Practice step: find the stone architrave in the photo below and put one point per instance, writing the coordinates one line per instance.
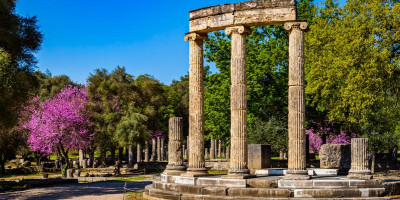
(335, 156)
(196, 164)
(359, 159)
(158, 149)
(175, 135)
(139, 153)
(238, 162)
(259, 156)
(296, 120)
(212, 149)
(146, 153)
(153, 149)
(162, 149)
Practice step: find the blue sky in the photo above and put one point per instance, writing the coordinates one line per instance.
(145, 37)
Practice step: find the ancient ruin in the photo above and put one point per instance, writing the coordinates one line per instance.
(295, 182)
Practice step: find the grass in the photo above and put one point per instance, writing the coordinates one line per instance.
(134, 196)
(132, 179)
(25, 176)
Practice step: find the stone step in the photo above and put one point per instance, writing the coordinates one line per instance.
(282, 171)
(339, 193)
(155, 194)
(328, 184)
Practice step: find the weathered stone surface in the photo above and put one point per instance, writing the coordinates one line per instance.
(146, 153)
(175, 162)
(249, 13)
(238, 157)
(335, 156)
(243, 192)
(259, 156)
(70, 173)
(220, 191)
(138, 153)
(153, 149)
(196, 164)
(359, 159)
(259, 183)
(296, 120)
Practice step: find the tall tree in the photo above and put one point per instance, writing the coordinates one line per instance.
(19, 40)
(352, 67)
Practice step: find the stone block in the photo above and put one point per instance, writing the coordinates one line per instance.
(259, 156)
(190, 189)
(218, 182)
(262, 183)
(326, 172)
(330, 183)
(291, 184)
(335, 156)
(164, 194)
(243, 192)
(219, 191)
(274, 192)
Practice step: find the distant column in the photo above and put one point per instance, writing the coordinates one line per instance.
(238, 162)
(162, 149)
(153, 149)
(196, 106)
(296, 120)
(219, 149)
(139, 153)
(175, 160)
(158, 149)
(130, 155)
(81, 156)
(228, 153)
(359, 159)
(212, 149)
(146, 153)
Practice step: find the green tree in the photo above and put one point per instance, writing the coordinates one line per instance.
(267, 61)
(352, 67)
(178, 96)
(20, 38)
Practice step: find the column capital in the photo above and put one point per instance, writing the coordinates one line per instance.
(238, 29)
(195, 36)
(296, 25)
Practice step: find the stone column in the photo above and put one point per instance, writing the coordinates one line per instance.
(184, 152)
(219, 149)
(153, 149)
(238, 162)
(81, 156)
(175, 135)
(196, 106)
(359, 159)
(228, 153)
(205, 152)
(158, 149)
(162, 149)
(296, 120)
(187, 145)
(139, 153)
(212, 149)
(146, 153)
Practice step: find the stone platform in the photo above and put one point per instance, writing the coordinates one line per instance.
(271, 187)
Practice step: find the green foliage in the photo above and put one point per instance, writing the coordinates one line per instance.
(273, 132)
(178, 96)
(267, 75)
(50, 85)
(352, 67)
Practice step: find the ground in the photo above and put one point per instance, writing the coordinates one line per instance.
(83, 191)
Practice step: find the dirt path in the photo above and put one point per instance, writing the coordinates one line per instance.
(83, 191)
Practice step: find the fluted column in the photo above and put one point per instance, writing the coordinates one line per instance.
(162, 149)
(219, 148)
(139, 153)
(158, 149)
(359, 159)
(175, 160)
(238, 162)
(153, 149)
(296, 120)
(212, 149)
(196, 106)
(146, 153)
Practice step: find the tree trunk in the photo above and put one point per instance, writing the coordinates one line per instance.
(2, 168)
(373, 162)
(112, 156)
(103, 158)
(120, 154)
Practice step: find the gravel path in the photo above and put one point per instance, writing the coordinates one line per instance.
(82, 191)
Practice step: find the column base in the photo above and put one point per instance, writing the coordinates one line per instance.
(174, 170)
(196, 172)
(297, 175)
(362, 175)
(238, 174)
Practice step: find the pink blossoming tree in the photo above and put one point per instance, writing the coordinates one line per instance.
(60, 124)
